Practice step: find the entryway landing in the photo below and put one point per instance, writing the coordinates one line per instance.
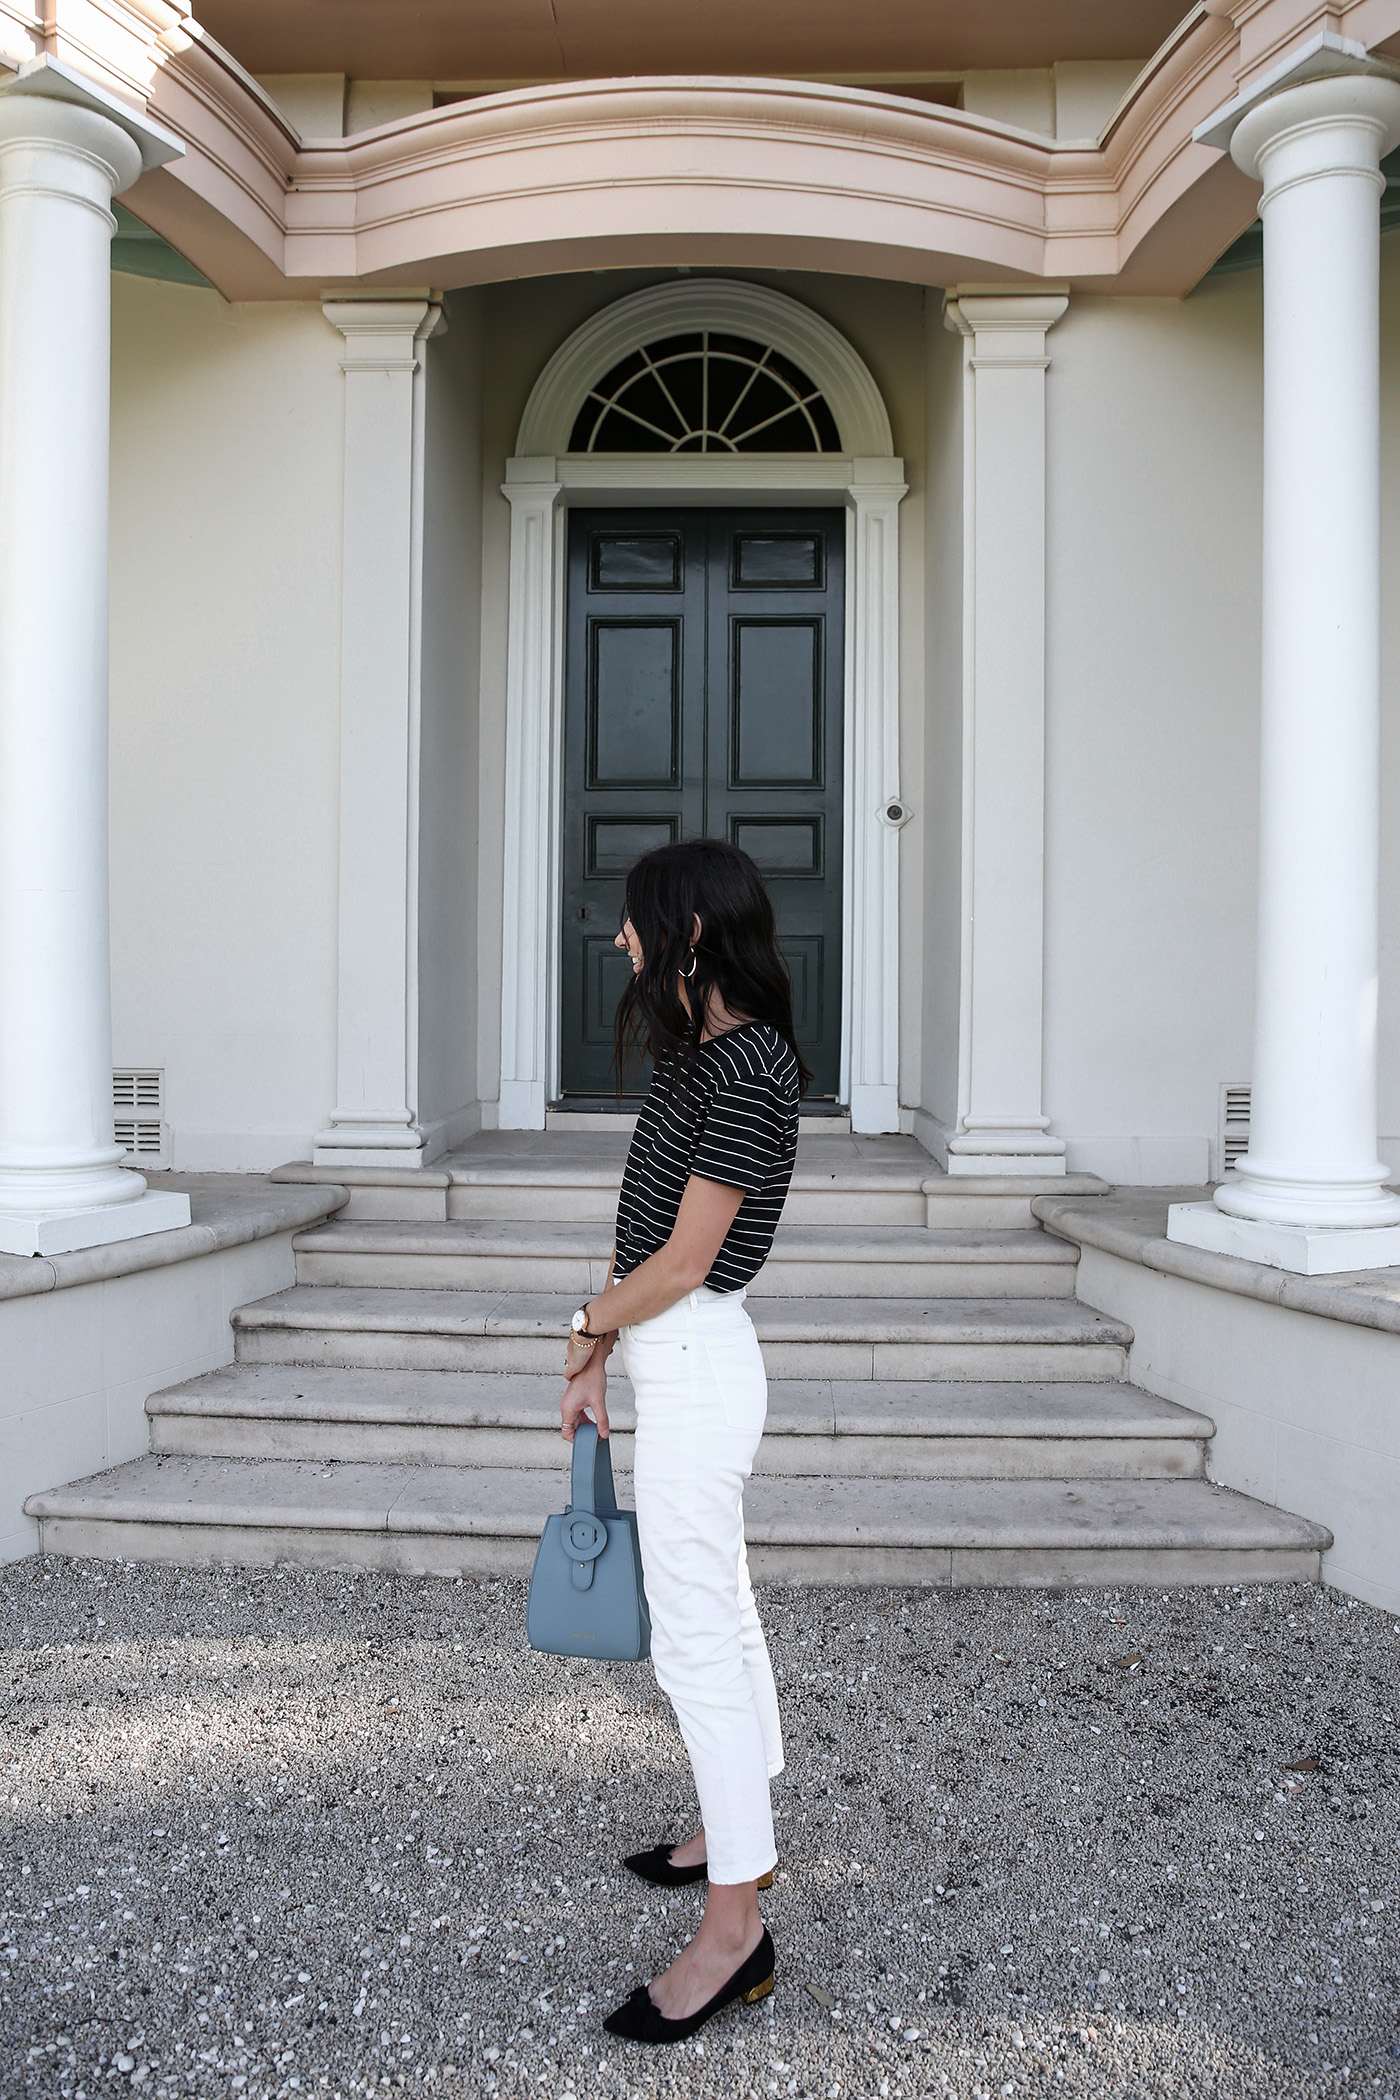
(840, 1179)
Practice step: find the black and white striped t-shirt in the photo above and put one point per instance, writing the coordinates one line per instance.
(734, 1120)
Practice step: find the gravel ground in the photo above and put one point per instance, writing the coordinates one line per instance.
(288, 1832)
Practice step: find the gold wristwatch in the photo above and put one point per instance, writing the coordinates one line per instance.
(578, 1329)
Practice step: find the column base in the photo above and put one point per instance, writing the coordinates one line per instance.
(1306, 1250)
(369, 1144)
(1041, 1165)
(522, 1105)
(69, 1231)
(874, 1110)
(332, 1156)
(1002, 1150)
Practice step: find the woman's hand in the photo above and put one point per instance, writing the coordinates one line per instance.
(586, 1394)
(578, 1357)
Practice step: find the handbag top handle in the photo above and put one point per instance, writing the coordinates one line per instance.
(591, 1486)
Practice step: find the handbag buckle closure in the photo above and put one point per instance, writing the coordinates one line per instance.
(585, 1536)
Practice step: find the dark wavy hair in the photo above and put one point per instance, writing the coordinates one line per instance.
(737, 954)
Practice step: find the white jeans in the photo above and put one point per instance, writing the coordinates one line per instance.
(702, 1396)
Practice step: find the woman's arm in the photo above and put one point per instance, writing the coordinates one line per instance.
(586, 1393)
(707, 1210)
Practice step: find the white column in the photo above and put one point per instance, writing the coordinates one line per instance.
(1309, 1193)
(529, 930)
(375, 1119)
(65, 149)
(1001, 1127)
(875, 809)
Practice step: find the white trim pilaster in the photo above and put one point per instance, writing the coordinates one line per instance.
(530, 934)
(375, 1119)
(874, 807)
(1001, 1126)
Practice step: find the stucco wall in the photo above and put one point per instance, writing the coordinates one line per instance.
(225, 581)
(1152, 717)
(225, 577)
(1152, 705)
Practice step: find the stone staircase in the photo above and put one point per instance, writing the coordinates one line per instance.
(942, 1408)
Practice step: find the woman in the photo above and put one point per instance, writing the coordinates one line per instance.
(707, 1174)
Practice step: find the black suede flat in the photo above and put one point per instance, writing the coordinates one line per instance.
(655, 1866)
(637, 2019)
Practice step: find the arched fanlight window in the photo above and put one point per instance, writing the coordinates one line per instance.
(705, 392)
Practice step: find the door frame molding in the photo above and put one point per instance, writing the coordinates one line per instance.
(540, 488)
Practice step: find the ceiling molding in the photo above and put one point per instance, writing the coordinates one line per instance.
(714, 173)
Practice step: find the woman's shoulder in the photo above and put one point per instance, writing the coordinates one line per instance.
(753, 1050)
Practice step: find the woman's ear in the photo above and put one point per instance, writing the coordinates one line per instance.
(695, 931)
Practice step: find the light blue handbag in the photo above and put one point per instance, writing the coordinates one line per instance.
(586, 1594)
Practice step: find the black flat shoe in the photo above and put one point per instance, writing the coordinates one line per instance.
(637, 2019)
(655, 1866)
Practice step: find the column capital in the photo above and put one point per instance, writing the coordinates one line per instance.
(876, 481)
(1328, 80)
(383, 335)
(1336, 126)
(1005, 327)
(49, 86)
(532, 483)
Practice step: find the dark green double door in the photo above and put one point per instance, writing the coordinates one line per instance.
(702, 698)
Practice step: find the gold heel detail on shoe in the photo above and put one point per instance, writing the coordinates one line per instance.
(765, 1881)
(760, 1990)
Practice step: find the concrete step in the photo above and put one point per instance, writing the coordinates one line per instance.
(1050, 1339)
(573, 1176)
(486, 1521)
(561, 1175)
(878, 1427)
(879, 1261)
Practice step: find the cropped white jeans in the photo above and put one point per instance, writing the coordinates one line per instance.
(702, 1396)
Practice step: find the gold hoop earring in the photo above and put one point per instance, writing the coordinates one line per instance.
(688, 974)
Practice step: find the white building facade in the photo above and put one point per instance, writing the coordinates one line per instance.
(1102, 813)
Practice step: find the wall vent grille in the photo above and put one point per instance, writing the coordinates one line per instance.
(138, 1102)
(143, 1140)
(138, 1090)
(1234, 1126)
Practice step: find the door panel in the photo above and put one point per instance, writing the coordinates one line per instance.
(649, 561)
(634, 704)
(703, 673)
(780, 845)
(776, 618)
(761, 560)
(615, 842)
(606, 971)
(777, 702)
